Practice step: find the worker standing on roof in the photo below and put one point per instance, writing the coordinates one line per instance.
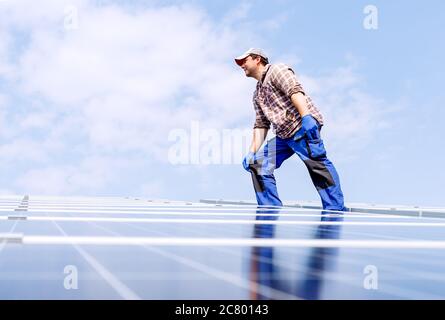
(280, 99)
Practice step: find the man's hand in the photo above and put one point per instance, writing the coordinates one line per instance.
(248, 160)
(310, 126)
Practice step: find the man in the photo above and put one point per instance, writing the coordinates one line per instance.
(281, 100)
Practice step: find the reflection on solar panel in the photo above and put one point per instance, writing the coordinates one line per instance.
(122, 248)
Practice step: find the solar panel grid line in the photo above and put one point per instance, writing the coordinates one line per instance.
(226, 221)
(170, 213)
(317, 210)
(217, 273)
(362, 234)
(300, 203)
(107, 206)
(198, 216)
(258, 287)
(228, 212)
(111, 200)
(394, 269)
(136, 220)
(210, 213)
(212, 273)
(411, 210)
(332, 276)
(10, 205)
(220, 219)
(3, 239)
(177, 223)
(374, 254)
(257, 242)
(252, 213)
(229, 252)
(389, 237)
(16, 217)
(399, 292)
(370, 235)
(91, 276)
(89, 203)
(397, 272)
(166, 208)
(10, 199)
(284, 264)
(106, 201)
(223, 221)
(125, 292)
(228, 232)
(252, 287)
(148, 208)
(439, 213)
(285, 222)
(397, 208)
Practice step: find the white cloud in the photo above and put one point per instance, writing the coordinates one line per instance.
(22, 150)
(276, 22)
(238, 14)
(352, 117)
(37, 120)
(5, 42)
(3, 103)
(119, 83)
(125, 74)
(86, 178)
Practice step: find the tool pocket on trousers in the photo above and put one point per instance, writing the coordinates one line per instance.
(315, 148)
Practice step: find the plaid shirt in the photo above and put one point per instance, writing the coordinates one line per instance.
(272, 102)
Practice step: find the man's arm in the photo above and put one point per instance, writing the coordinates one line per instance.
(308, 123)
(299, 101)
(283, 77)
(259, 135)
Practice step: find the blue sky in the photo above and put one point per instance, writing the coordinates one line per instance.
(88, 110)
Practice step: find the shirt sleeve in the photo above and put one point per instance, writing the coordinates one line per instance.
(283, 78)
(261, 120)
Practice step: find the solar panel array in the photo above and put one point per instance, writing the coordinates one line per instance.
(127, 248)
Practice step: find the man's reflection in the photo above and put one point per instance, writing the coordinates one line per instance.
(270, 282)
(262, 269)
(320, 260)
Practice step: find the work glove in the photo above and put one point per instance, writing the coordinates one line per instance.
(310, 127)
(248, 160)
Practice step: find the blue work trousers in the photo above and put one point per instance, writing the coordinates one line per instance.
(313, 154)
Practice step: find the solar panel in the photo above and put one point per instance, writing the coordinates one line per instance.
(126, 248)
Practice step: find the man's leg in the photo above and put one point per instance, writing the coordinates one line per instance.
(322, 171)
(266, 161)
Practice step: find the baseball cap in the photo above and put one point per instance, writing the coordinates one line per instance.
(256, 51)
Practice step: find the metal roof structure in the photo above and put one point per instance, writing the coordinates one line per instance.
(128, 248)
